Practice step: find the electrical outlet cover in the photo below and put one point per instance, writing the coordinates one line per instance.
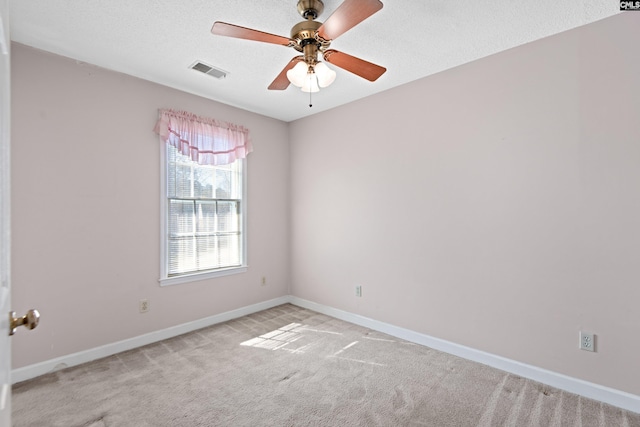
(587, 341)
(144, 305)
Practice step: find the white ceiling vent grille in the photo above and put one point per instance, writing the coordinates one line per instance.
(209, 70)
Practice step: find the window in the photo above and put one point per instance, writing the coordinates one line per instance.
(204, 214)
(203, 196)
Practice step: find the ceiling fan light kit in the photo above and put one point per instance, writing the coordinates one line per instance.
(312, 39)
(311, 78)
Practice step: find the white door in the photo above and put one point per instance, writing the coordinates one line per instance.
(5, 244)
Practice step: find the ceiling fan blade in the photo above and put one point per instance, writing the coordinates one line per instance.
(282, 82)
(230, 30)
(357, 66)
(349, 14)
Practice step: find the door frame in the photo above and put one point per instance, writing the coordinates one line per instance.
(5, 212)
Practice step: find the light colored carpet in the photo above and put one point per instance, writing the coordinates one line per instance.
(289, 366)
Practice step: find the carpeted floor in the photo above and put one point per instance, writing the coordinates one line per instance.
(289, 366)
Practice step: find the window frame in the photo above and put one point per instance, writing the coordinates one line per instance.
(165, 279)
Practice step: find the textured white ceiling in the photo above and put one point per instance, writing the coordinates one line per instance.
(158, 40)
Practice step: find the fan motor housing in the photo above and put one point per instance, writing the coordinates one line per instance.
(305, 34)
(305, 30)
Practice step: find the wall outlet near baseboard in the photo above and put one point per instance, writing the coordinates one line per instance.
(587, 341)
(144, 305)
(358, 290)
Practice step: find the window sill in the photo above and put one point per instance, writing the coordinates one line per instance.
(176, 280)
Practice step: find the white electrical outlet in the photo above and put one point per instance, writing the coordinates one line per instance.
(587, 341)
(144, 305)
(358, 291)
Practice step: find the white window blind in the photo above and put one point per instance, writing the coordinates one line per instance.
(204, 215)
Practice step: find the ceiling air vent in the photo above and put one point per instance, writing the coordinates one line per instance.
(209, 70)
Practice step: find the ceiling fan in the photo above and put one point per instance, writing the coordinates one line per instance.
(313, 38)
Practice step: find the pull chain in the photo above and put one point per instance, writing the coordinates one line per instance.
(310, 76)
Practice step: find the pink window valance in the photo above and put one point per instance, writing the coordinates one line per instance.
(206, 141)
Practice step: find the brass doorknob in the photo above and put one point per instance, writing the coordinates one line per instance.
(30, 320)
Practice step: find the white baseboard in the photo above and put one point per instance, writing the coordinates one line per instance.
(32, 371)
(598, 392)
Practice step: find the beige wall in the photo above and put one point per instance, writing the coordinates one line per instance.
(85, 206)
(495, 205)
